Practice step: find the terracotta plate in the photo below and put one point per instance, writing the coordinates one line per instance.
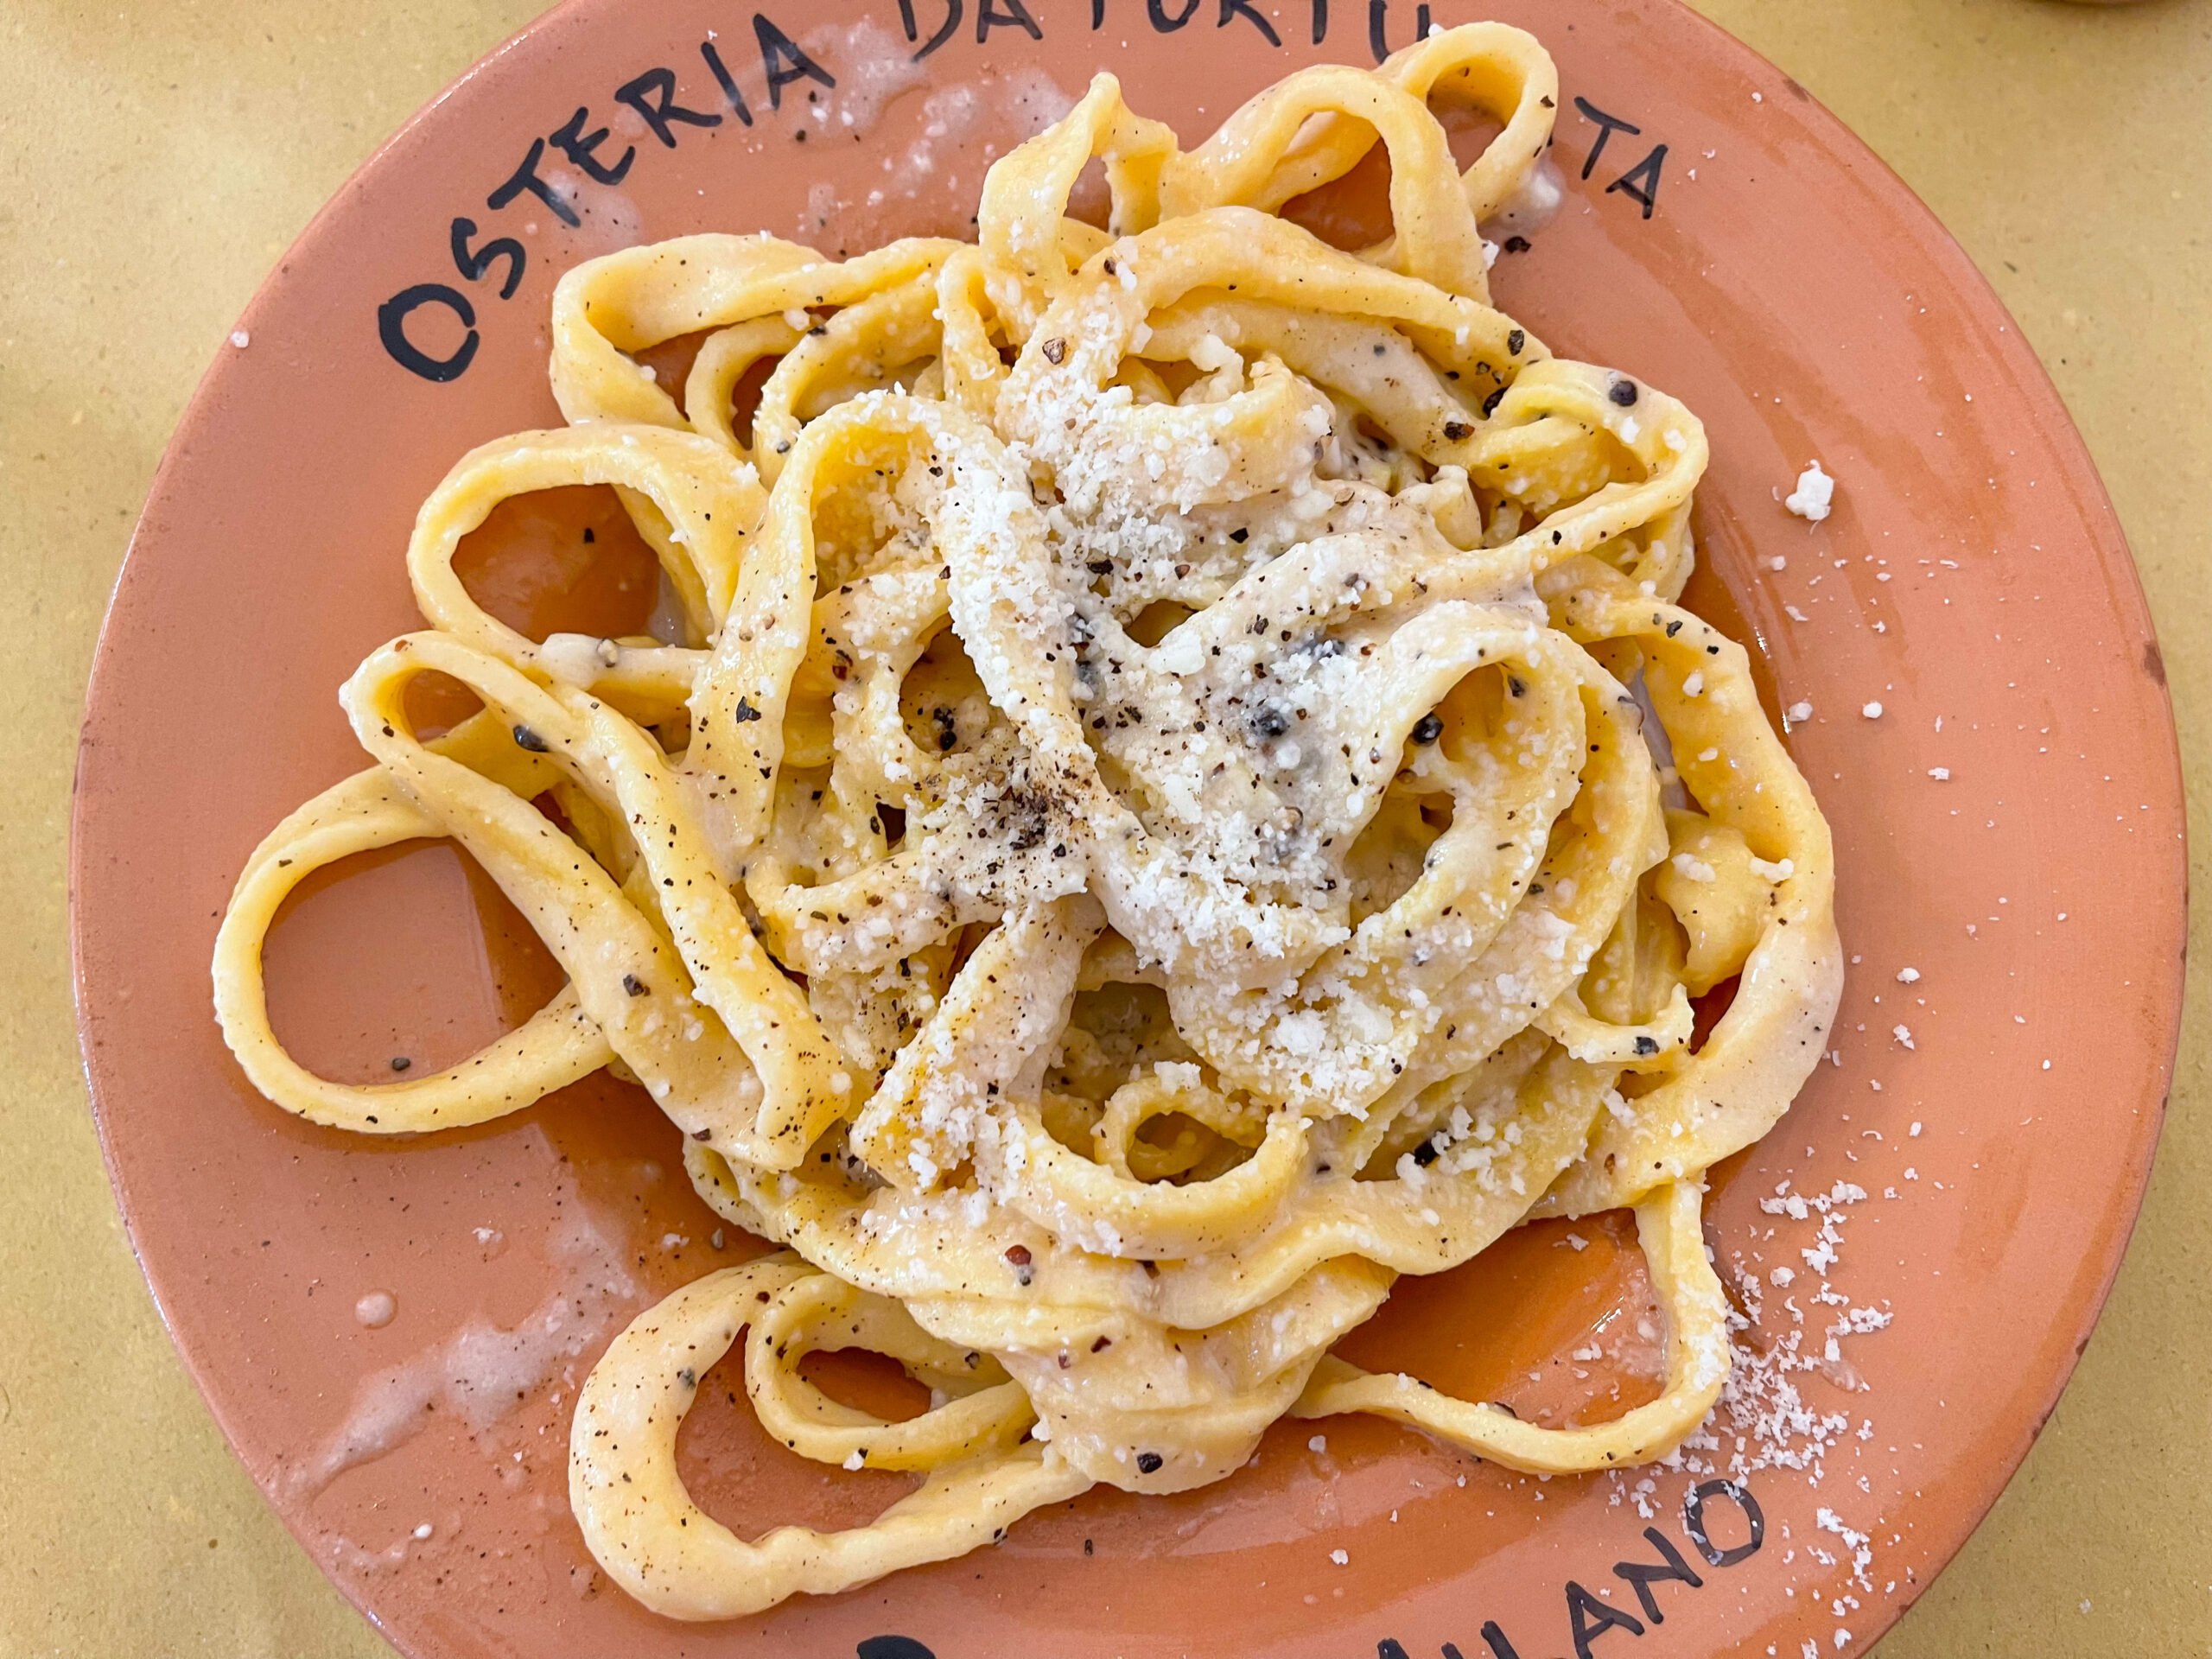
(1946, 1205)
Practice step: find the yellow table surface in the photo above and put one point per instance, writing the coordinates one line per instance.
(154, 162)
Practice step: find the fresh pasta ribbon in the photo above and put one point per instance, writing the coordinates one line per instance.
(1697, 1365)
(642, 1524)
(559, 1044)
(1182, 789)
(1498, 70)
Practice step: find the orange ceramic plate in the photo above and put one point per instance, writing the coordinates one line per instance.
(2008, 830)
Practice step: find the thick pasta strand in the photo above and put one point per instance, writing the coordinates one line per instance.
(1184, 791)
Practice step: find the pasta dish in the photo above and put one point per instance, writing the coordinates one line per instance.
(1182, 790)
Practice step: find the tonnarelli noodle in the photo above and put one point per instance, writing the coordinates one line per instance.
(1153, 826)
